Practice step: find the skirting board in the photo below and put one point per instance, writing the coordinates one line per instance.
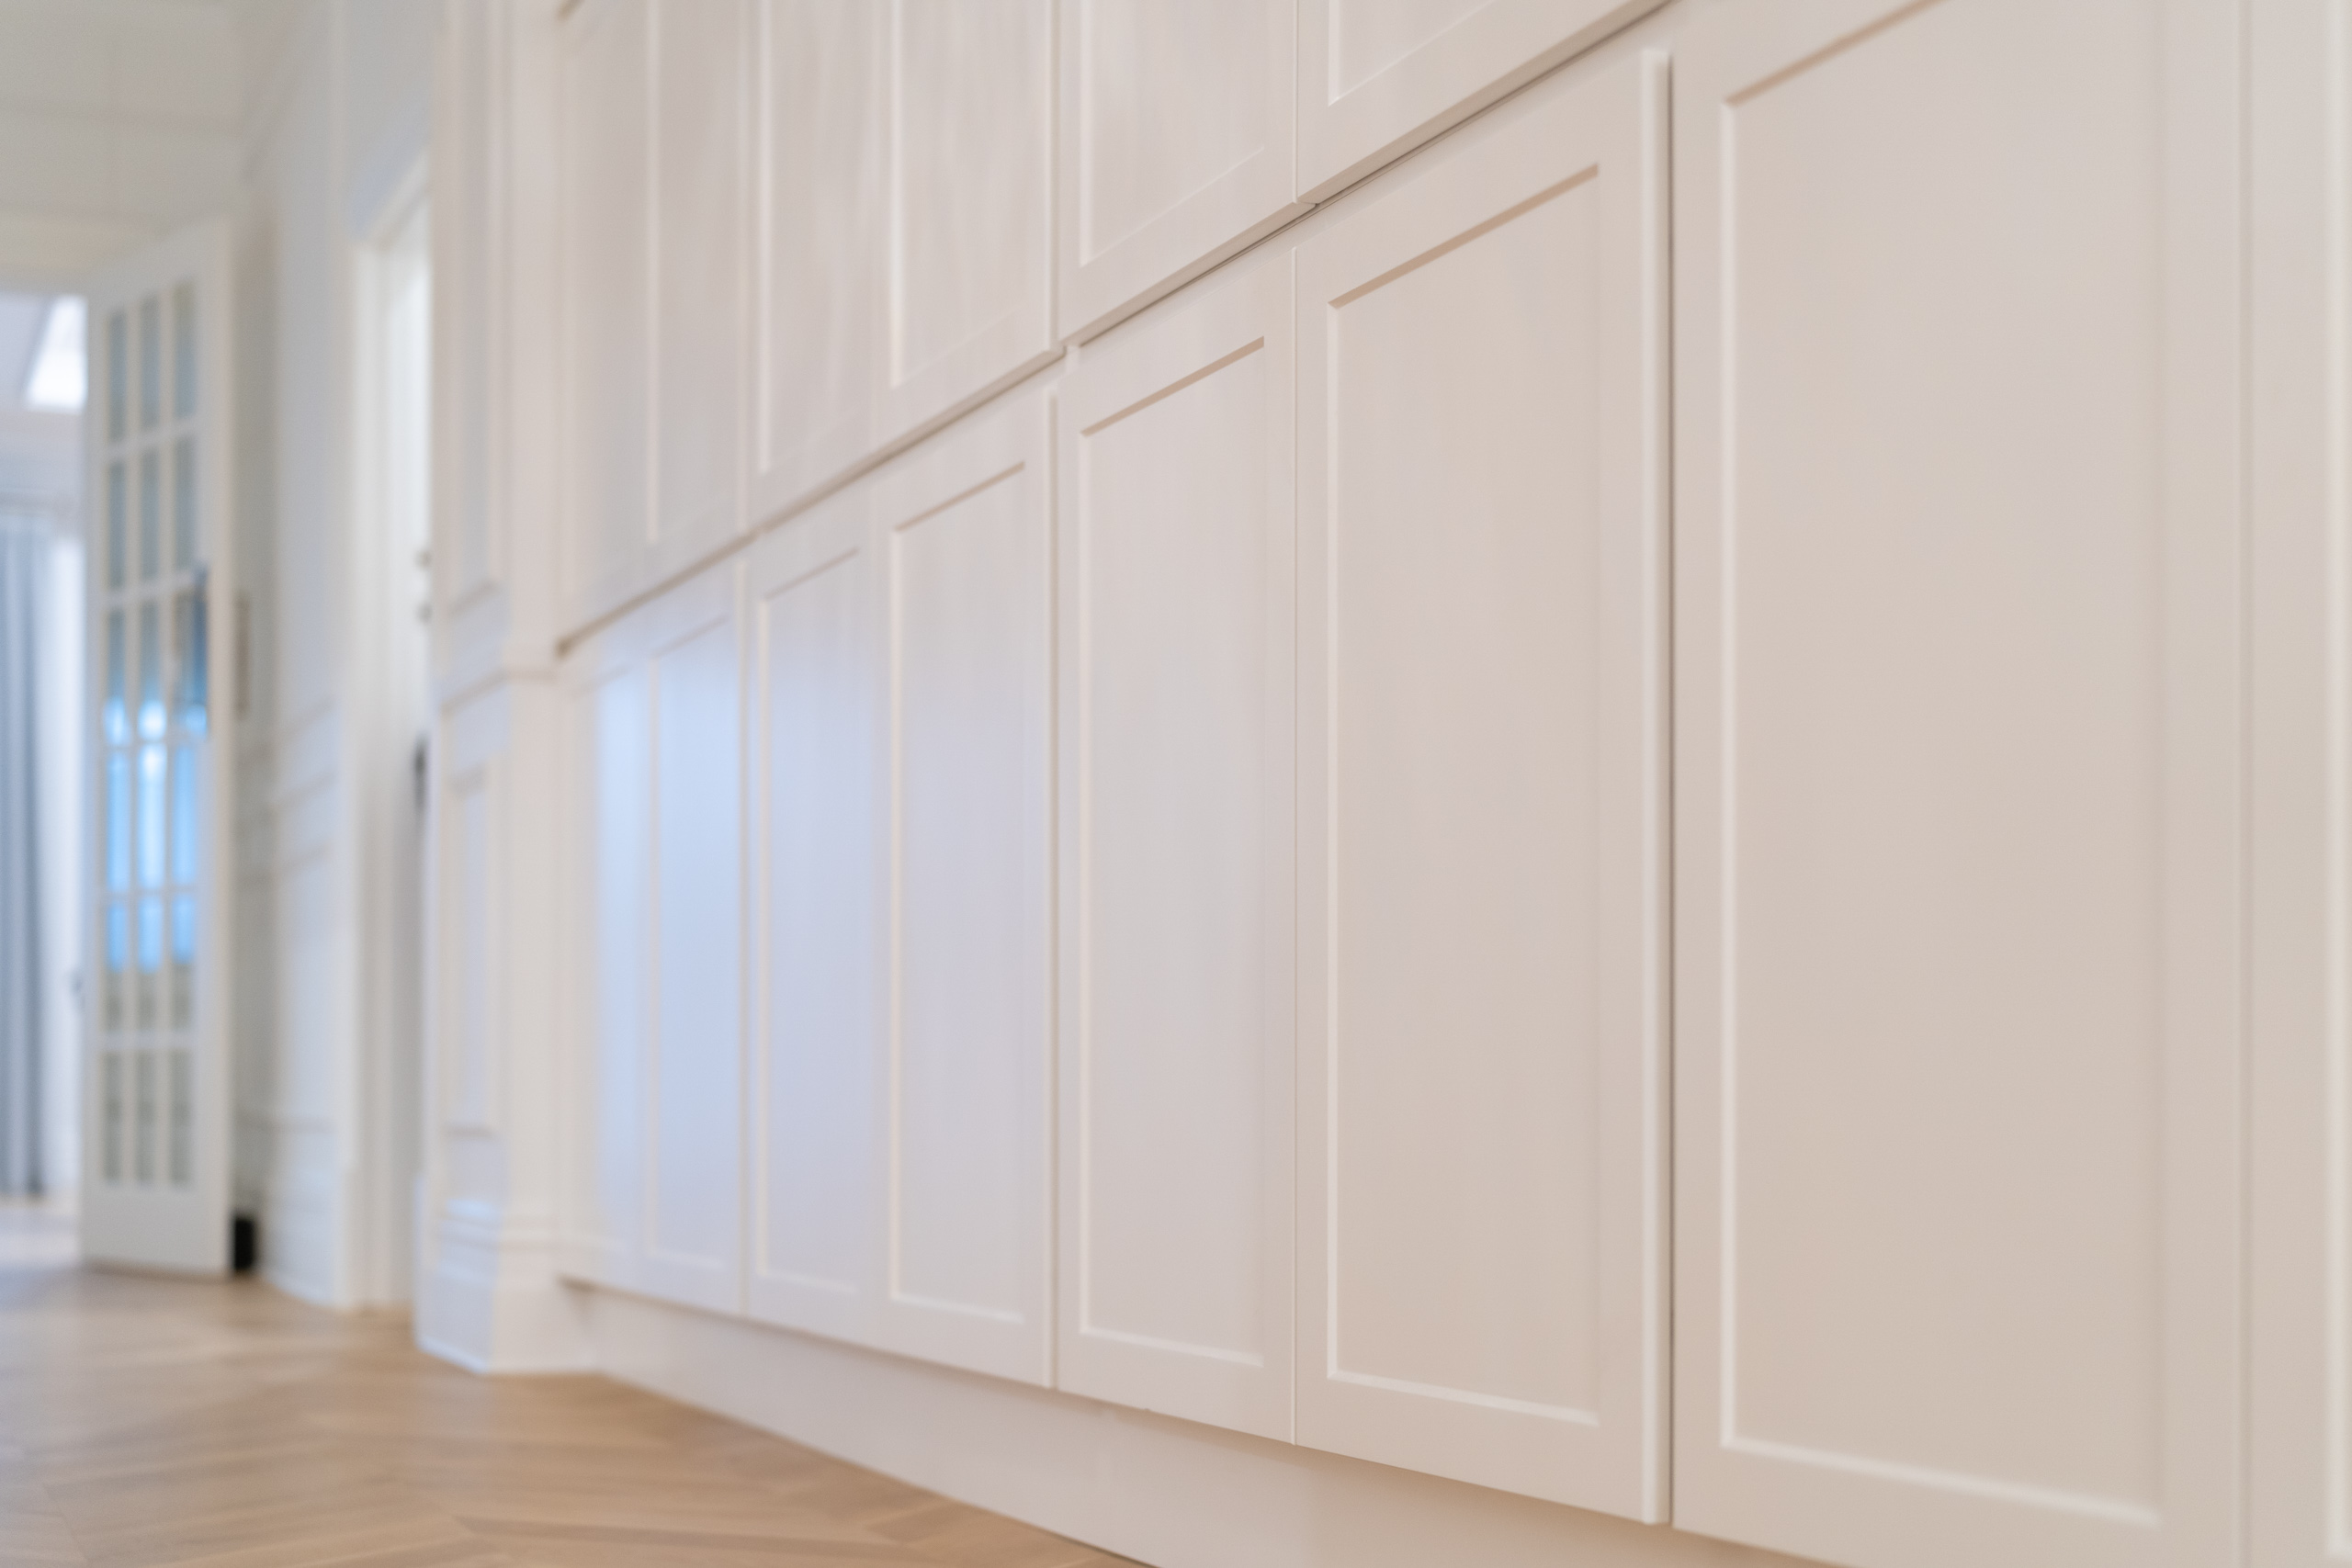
(1166, 1493)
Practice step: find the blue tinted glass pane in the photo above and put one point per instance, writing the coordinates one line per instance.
(150, 934)
(118, 937)
(151, 817)
(118, 720)
(195, 666)
(184, 931)
(117, 820)
(151, 671)
(184, 835)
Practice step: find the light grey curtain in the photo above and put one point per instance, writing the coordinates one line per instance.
(24, 563)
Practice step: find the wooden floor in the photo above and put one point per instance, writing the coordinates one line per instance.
(152, 1423)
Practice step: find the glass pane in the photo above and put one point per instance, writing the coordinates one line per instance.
(184, 350)
(151, 816)
(110, 1121)
(184, 503)
(183, 816)
(116, 719)
(193, 666)
(182, 1108)
(183, 961)
(118, 525)
(150, 514)
(151, 670)
(118, 961)
(143, 1157)
(151, 362)
(118, 373)
(117, 820)
(150, 957)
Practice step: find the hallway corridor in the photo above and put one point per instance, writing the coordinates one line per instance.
(149, 1423)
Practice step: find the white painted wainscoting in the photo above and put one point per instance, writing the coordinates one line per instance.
(1345, 783)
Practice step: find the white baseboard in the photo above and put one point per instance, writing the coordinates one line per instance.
(489, 1301)
(1166, 1493)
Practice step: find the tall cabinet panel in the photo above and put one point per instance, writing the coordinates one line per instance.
(818, 264)
(1175, 144)
(651, 286)
(964, 529)
(1481, 1073)
(1378, 77)
(817, 817)
(1177, 868)
(700, 92)
(968, 114)
(607, 300)
(1959, 762)
(654, 923)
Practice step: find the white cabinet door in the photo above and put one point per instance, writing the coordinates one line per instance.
(969, 111)
(1175, 145)
(700, 49)
(818, 815)
(651, 291)
(1177, 866)
(1376, 78)
(1959, 767)
(605, 288)
(605, 898)
(817, 245)
(963, 526)
(1481, 515)
(656, 717)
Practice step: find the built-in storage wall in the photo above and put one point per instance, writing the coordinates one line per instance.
(1170, 864)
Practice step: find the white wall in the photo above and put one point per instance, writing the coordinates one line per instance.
(336, 124)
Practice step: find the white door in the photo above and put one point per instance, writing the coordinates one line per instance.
(155, 1178)
(1960, 758)
(1481, 507)
(1178, 870)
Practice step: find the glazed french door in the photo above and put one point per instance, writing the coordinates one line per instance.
(156, 1081)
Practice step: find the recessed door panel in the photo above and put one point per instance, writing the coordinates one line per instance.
(819, 809)
(819, 251)
(1178, 867)
(969, 206)
(963, 524)
(1480, 417)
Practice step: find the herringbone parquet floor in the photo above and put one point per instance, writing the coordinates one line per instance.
(157, 1423)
